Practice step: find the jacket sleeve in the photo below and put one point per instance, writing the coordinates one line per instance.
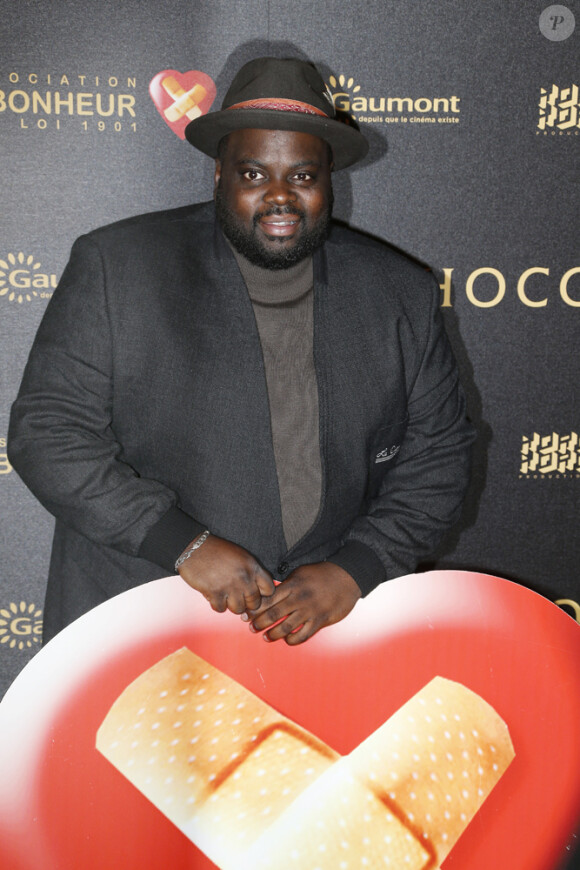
(420, 497)
(61, 439)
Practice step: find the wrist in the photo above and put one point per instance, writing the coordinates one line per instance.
(191, 548)
(168, 537)
(362, 563)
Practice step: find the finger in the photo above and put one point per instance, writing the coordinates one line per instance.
(281, 596)
(273, 614)
(236, 603)
(303, 633)
(252, 600)
(219, 603)
(252, 613)
(284, 628)
(253, 594)
(264, 583)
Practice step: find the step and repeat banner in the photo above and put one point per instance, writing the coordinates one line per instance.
(473, 117)
(472, 112)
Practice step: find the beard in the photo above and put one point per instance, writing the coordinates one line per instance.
(247, 242)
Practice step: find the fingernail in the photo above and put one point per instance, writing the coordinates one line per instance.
(244, 617)
(266, 638)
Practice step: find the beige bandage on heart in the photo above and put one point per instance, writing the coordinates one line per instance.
(253, 790)
(184, 102)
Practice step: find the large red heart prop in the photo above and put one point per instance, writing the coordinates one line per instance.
(181, 97)
(62, 805)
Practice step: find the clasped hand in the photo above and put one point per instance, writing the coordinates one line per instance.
(312, 597)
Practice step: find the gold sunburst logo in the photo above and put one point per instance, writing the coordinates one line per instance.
(343, 82)
(20, 625)
(21, 279)
(342, 87)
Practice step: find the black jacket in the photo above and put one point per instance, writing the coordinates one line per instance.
(143, 413)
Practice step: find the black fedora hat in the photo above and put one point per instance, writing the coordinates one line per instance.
(269, 93)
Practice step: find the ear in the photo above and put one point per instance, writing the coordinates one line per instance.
(217, 175)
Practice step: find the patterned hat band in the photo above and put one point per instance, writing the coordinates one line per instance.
(280, 105)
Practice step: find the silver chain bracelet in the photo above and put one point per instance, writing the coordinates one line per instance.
(195, 546)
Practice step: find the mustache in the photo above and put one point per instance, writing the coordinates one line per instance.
(278, 211)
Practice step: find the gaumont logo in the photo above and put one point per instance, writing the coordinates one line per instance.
(54, 101)
(22, 279)
(549, 456)
(20, 625)
(181, 97)
(558, 111)
(392, 108)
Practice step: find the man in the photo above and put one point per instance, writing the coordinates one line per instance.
(244, 391)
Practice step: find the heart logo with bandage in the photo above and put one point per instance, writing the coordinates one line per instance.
(182, 97)
(246, 784)
(382, 742)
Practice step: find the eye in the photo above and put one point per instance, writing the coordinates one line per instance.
(304, 176)
(252, 175)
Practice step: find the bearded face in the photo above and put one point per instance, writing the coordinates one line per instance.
(273, 195)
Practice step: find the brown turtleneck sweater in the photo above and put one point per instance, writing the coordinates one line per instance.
(283, 307)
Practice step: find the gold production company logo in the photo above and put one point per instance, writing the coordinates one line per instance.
(5, 467)
(22, 279)
(20, 626)
(550, 456)
(558, 111)
(384, 109)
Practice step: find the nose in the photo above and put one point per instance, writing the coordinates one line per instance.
(279, 192)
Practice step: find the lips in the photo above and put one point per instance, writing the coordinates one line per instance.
(279, 225)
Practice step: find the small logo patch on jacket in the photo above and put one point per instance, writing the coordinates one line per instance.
(387, 453)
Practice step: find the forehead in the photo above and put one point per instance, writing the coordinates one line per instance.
(276, 147)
